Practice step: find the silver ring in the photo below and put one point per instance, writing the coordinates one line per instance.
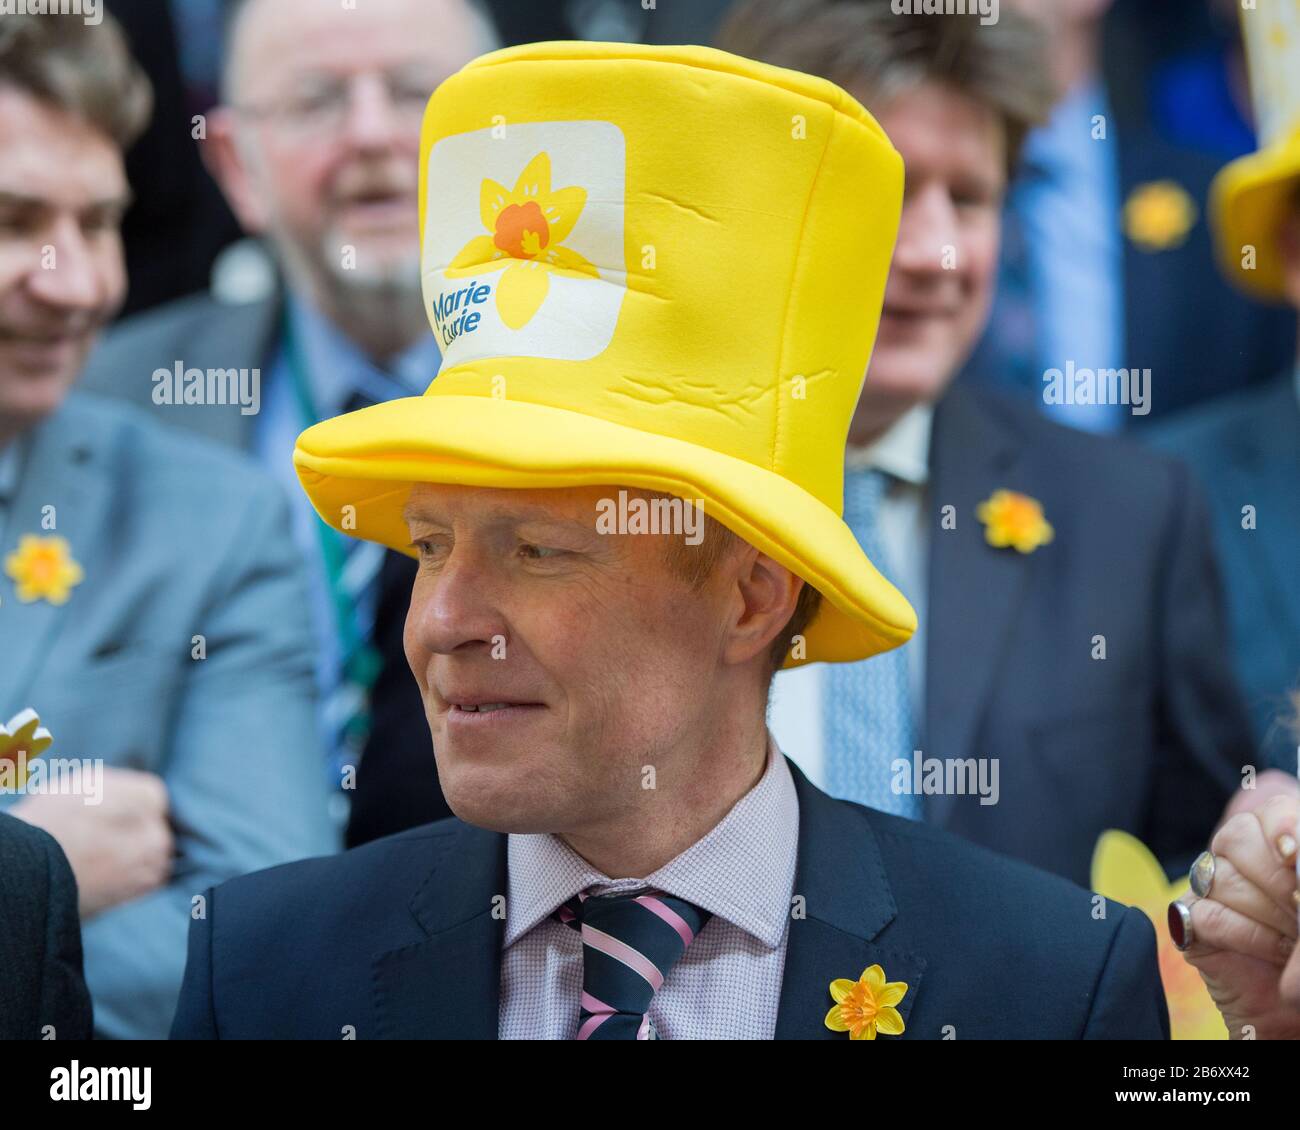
(1201, 875)
(1180, 924)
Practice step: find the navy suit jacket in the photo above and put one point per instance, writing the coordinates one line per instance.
(1149, 739)
(397, 939)
(1245, 451)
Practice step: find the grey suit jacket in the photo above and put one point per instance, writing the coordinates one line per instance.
(178, 539)
(201, 333)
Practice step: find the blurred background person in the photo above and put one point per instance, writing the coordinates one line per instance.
(316, 145)
(1089, 665)
(1245, 448)
(43, 993)
(1107, 261)
(187, 673)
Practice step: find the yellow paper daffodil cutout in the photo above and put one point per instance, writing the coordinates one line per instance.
(1124, 869)
(26, 736)
(43, 569)
(1158, 215)
(1014, 519)
(866, 1006)
(528, 225)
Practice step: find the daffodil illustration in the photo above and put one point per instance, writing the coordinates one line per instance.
(528, 225)
(43, 569)
(866, 1006)
(23, 739)
(1014, 519)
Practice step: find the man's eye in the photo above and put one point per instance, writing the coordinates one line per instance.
(536, 552)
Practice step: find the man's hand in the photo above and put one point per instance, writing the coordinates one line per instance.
(1244, 931)
(119, 849)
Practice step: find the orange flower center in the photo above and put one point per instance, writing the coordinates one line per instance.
(521, 230)
(1019, 514)
(859, 1008)
(44, 565)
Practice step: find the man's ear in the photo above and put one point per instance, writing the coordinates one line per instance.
(225, 161)
(766, 595)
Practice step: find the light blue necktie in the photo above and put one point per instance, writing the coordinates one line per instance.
(868, 705)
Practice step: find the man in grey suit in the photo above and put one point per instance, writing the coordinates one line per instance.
(316, 147)
(151, 611)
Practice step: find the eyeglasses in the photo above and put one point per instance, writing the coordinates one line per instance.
(321, 103)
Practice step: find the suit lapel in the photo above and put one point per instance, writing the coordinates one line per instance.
(846, 903)
(447, 985)
(973, 588)
(67, 468)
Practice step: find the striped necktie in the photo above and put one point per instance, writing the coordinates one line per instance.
(629, 943)
(868, 704)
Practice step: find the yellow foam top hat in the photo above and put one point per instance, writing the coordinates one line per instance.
(656, 267)
(1252, 195)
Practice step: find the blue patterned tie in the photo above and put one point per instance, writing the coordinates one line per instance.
(629, 943)
(868, 705)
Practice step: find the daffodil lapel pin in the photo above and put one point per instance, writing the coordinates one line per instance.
(1014, 519)
(43, 569)
(867, 1006)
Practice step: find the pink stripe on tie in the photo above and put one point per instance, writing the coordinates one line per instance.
(669, 915)
(620, 951)
(600, 1013)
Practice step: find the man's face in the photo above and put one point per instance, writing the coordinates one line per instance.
(605, 657)
(322, 150)
(944, 269)
(62, 194)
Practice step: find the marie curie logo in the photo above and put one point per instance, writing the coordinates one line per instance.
(523, 244)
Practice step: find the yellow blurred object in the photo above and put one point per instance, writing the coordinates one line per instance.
(1252, 195)
(1014, 519)
(43, 569)
(1124, 870)
(654, 267)
(1159, 215)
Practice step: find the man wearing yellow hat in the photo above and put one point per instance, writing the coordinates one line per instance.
(1246, 448)
(647, 268)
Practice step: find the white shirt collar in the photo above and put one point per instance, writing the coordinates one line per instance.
(741, 870)
(903, 450)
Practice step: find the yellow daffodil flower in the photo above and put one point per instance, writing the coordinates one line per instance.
(867, 1005)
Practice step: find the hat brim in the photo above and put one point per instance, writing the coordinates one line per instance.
(1249, 200)
(367, 462)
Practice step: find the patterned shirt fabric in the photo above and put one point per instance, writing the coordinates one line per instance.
(727, 985)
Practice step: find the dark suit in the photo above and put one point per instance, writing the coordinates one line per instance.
(1182, 320)
(42, 993)
(1149, 739)
(397, 779)
(397, 939)
(1245, 451)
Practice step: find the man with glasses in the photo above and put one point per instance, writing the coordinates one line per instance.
(316, 146)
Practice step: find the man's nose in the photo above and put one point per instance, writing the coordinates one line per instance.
(454, 610)
(69, 274)
(372, 118)
(927, 232)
